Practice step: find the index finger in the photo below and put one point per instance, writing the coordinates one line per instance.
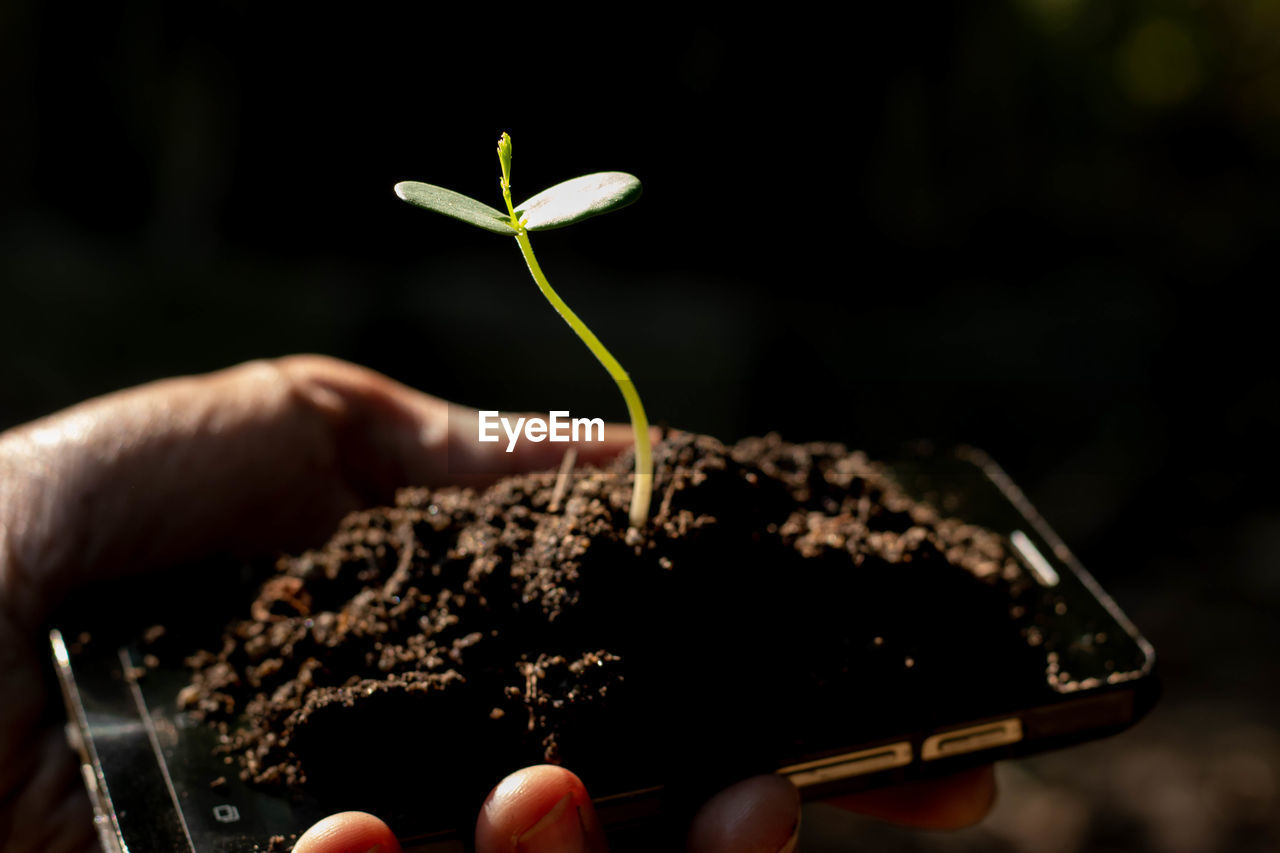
(472, 461)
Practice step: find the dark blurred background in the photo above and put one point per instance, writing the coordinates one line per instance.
(1044, 227)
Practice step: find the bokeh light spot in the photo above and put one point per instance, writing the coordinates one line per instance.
(1158, 65)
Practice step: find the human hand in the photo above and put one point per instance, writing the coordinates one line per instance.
(256, 459)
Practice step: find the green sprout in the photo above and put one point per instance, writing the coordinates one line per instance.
(564, 204)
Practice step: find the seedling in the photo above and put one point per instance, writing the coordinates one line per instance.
(564, 204)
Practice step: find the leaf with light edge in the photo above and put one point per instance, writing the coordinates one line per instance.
(578, 199)
(455, 205)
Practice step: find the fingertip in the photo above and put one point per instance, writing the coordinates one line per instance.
(348, 832)
(615, 439)
(541, 808)
(757, 815)
(952, 802)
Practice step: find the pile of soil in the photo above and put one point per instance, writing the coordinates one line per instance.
(780, 590)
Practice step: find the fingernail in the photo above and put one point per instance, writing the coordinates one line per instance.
(794, 841)
(558, 831)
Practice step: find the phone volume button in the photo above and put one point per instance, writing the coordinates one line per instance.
(849, 764)
(971, 739)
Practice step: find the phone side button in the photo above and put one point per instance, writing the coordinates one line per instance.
(971, 739)
(849, 764)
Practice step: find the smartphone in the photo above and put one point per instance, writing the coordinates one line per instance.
(1066, 667)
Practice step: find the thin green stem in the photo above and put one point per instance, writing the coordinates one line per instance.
(643, 491)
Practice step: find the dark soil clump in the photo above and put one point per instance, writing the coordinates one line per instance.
(781, 589)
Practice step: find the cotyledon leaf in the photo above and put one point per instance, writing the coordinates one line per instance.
(577, 199)
(456, 205)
